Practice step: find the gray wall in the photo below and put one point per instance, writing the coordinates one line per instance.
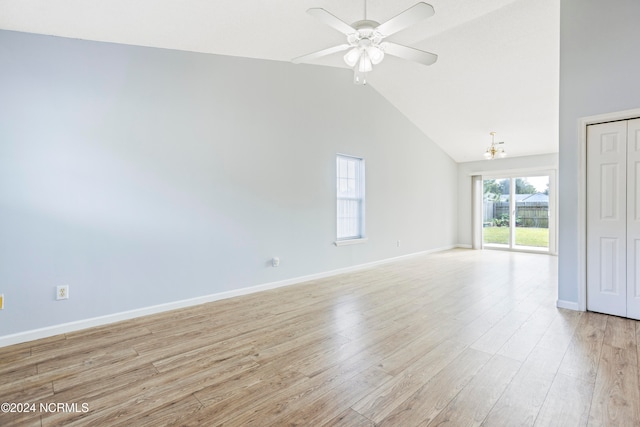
(599, 73)
(485, 167)
(143, 176)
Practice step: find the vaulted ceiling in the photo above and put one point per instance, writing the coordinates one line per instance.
(497, 69)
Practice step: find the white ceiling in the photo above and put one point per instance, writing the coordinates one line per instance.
(497, 70)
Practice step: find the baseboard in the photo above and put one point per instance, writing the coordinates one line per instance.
(569, 305)
(460, 245)
(64, 328)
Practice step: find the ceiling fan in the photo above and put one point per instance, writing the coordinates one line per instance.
(366, 43)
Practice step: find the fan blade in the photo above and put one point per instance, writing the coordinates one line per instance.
(320, 53)
(405, 19)
(409, 53)
(331, 20)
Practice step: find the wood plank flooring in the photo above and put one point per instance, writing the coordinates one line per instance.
(461, 338)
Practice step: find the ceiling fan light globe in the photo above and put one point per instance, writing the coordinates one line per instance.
(502, 154)
(352, 57)
(487, 154)
(375, 54)
(365, 65)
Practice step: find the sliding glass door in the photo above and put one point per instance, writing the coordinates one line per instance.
(516, 212)
(496, 221)
(532, 212)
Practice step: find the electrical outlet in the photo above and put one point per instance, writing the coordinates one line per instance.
(275, 262)
(1, 301)
(62, 292)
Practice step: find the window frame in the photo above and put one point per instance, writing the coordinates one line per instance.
(360, 191)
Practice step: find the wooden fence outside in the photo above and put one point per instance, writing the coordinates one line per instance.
(528, 214)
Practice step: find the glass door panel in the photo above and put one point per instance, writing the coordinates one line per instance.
(531, 212)
(495, 217)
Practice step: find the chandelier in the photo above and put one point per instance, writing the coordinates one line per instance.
(494, 150)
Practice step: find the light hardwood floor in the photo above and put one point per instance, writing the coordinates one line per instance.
(454, 338)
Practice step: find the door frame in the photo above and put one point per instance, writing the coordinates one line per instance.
(553, 204)
(583, 122)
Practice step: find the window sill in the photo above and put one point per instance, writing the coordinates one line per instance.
(346, 242)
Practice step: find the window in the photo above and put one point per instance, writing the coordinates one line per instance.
(350, 199)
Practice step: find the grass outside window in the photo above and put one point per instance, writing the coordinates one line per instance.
(525, 236)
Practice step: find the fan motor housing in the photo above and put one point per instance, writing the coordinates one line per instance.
(365, 24)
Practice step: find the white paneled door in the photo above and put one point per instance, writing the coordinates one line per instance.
(613, 218)
(633, 219)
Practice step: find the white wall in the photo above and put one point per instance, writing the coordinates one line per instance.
(142, 176)
(599, 69)
(486, 167)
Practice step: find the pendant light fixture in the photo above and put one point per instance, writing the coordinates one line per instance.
(494, 150)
